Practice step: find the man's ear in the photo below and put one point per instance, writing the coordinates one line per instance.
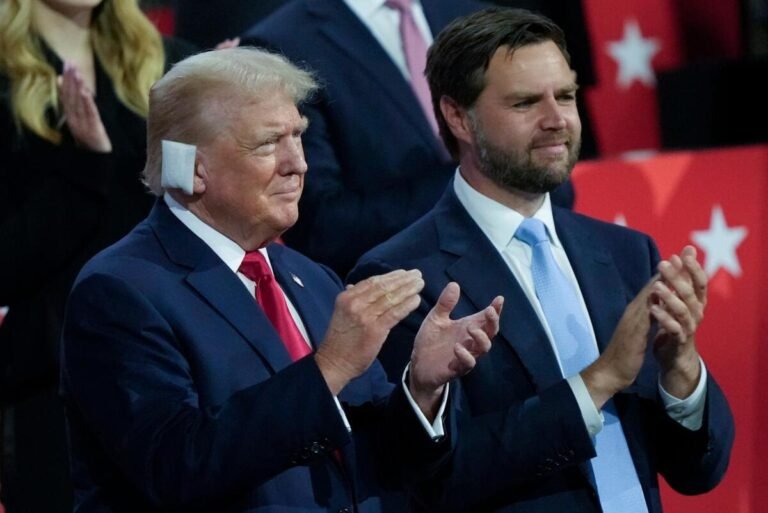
(201, 174)
(457, 119)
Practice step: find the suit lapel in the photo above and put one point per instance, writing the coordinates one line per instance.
(218, 285)
(315, 318)
(344, 30)
(483, 274)
(596, 273)
(289, 277)
(600, 284)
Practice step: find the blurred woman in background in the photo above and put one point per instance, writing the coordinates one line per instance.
(74, 83)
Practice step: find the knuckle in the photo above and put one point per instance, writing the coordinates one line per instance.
(342, 300)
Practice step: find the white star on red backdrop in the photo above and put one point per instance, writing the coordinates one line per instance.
(719, 244)
(634, 53)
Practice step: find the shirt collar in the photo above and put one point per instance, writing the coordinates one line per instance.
(497, 221)
(364, 8)
(225, 248)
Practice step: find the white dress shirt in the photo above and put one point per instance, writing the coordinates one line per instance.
(499, 223)
(384, 23)
(232, 255)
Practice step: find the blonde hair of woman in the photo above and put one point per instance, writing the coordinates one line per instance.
(124, 41)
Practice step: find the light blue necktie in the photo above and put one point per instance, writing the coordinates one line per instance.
(617, 483)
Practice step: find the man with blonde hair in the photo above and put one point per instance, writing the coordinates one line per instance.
(206, 367)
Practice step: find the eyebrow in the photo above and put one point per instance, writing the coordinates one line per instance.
(517, 96)
(268, 134)
(526, 95)
(277, 129)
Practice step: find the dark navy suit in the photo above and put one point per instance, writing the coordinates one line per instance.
(180, 395)
(523, 445)
(375, 165)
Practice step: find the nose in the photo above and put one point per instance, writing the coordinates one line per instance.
(292, 156)
(552, 115)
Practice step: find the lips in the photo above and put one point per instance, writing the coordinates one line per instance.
(291, 185)
(549, 143)
(288, 191)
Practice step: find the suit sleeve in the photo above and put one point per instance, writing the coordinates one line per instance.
(694, 462)
(127, 378)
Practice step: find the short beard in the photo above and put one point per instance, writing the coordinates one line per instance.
(514, 170)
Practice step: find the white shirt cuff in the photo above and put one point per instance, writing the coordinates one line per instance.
(688, 412)
(343, 415)
(436, 430)
(593, 419)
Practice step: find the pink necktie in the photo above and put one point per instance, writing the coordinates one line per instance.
(415, 49)
(272, 301)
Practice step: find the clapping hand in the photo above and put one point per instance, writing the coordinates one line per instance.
(80, 112)
(445, 348)
(680, 298)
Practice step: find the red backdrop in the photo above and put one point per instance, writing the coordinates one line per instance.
(715, 200)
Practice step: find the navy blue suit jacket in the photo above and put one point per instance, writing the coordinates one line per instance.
(375, 165)
(180, 394)
(523, 444)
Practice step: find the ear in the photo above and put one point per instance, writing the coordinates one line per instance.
(201, 174)
(457, 119)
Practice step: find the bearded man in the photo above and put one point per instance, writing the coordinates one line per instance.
(593, 386)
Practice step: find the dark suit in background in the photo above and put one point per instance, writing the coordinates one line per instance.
(524, 444)
(376, 165)
(207, 23)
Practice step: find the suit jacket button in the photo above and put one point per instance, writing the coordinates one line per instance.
(317, 449)
(345, 510)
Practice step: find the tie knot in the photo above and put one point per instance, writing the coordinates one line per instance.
(255, 266)
(400, 5)
(532, 232)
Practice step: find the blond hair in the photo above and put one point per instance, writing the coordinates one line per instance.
(127, 45)
(188, 104)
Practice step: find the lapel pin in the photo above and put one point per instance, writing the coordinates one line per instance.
(297, 280)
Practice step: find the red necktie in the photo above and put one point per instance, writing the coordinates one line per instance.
(272, 301)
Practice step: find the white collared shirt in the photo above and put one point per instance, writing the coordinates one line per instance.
(384, 23)
(499, 224)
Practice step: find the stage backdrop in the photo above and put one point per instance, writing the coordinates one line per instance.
(717, 201)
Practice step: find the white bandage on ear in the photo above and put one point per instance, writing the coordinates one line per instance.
(178, 166)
